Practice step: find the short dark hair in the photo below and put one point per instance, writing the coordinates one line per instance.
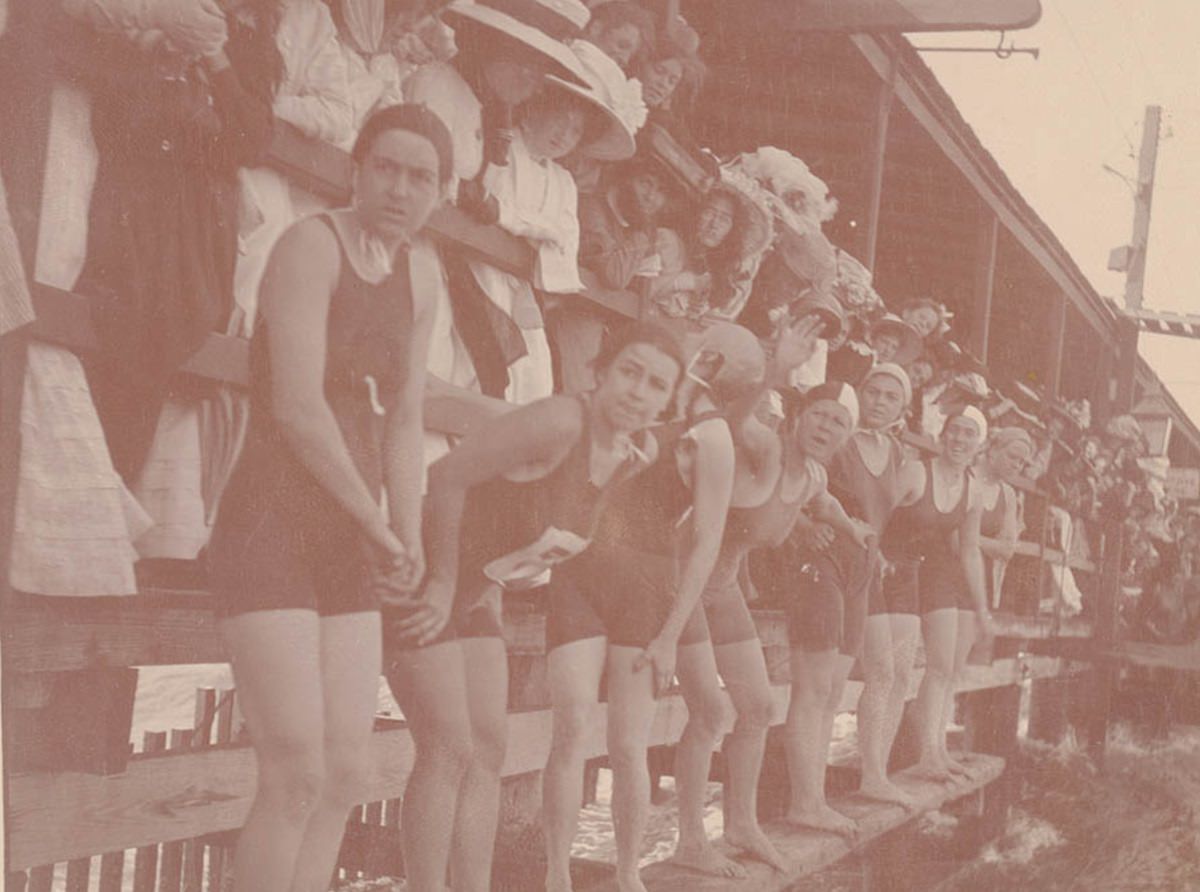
(637, 332)
(416, 119)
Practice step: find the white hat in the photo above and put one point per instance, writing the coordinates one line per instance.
(617, 97)
(543, 26)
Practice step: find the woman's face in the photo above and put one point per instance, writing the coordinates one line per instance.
(715, 221)
(397, 186)
(886, 346)
(823, 429)
(553, 131)
(635, 388)
(659, 80)
(1010, 460)
(920, 373)
(512, 82)
(881, 401)
(620, 42)
(961, 439)
(924, 319)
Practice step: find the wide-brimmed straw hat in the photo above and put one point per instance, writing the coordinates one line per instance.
(910, 342)
(758, 231)
(542, 26)
(612, 95)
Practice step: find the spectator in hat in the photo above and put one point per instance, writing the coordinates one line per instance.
(505, 49)
(535, 198)
(710, 269)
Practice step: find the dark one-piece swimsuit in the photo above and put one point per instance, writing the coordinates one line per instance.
(281, 540)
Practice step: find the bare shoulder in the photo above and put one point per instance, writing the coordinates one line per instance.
(308, 245)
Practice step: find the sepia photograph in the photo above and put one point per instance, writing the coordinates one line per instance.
(599, 445)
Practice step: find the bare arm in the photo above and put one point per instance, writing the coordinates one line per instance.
(827, 509)
(712, 490)
(1001, 548)
(404, 445)
(972, 558)
(294, 298)
(531, 435)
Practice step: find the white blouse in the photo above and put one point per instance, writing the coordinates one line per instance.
(538, 201)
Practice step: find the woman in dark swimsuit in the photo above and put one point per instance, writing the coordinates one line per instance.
(940, 504)
(302, 548)
(828, 611)
(1009, 451)
(617, 614)
(550, 464)
(778, 474)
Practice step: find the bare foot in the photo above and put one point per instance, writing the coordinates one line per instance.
(631, 882)
(934, 770)
(754, 842)
(956, 767)
(825, 818)
(706, 859)
(886, 791)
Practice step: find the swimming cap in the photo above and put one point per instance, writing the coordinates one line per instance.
(894, 371)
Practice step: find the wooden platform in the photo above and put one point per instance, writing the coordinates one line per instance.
(810, 851)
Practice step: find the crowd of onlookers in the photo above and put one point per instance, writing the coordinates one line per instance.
(570, 132)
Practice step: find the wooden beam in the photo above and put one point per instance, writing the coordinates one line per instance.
(1184, 657)
(1029, 231)
(985, 280)
(57, 817)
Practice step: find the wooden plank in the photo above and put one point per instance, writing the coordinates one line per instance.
(78, 871)
(145, 860)
(810, 851)
(1029, 231)
(1184, 657)
(161, 629)
(189, 794)
(41, 879)
(112, 872)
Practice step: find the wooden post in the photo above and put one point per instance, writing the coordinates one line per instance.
(985, 282)
(992, 718)
(883, 112)
(1048, 710)
(1058, 334)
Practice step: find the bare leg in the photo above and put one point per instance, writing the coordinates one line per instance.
(744, 669)
(573, 671)
(631, 708)
(479, 800)
(816, 676)
(430, 685)
(708, 719)
(968, 630)
(941, 634)
(350, 666)
(879, 684)
(276, 662)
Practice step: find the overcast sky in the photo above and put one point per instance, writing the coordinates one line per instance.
(1053, 123)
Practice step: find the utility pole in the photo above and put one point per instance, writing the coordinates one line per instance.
(1135, 273)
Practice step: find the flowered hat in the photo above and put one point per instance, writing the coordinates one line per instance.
(615, 96)
(759, 230)
(542, 26)
(908, 337)
(800, 195)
